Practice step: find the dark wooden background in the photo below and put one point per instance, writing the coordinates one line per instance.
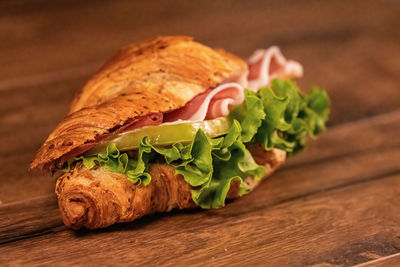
(336, 204)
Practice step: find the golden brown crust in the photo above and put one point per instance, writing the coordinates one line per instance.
(157, 75)
(98, 198)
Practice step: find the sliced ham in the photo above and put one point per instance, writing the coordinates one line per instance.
(150, 119)
(210, 104)
(221, 103)
(264, 65)
(268, 64)
(240, 78)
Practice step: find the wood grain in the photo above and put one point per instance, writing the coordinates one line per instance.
(72, 27)
(335, 204)
(21, 220)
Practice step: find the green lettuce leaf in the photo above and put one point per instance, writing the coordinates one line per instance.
(231, 161)
(254, 116)
(291, 116)
(113, 160)
(197, 170)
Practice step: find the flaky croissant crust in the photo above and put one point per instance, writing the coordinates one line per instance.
(157, 75)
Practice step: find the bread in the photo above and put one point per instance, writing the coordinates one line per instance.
(99, 198)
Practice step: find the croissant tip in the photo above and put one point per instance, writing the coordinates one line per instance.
(74, 213)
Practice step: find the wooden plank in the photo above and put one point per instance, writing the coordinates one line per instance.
(103, 26)
(345, 41)
(38, 216)
(341, 226)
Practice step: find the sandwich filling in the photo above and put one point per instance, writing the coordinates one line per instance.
(207, 139)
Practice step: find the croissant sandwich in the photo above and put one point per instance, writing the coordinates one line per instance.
(169, 123)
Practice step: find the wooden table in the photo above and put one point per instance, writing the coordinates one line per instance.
(336, 204)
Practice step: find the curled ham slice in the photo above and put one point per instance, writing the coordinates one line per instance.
(268, 64)
(210, 104)
(264, 65)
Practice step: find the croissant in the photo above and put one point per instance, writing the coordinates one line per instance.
(168, 124)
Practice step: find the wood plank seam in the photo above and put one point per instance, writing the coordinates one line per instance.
(378, 118)
(338, 156)
(48, 230)
(381, 261)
